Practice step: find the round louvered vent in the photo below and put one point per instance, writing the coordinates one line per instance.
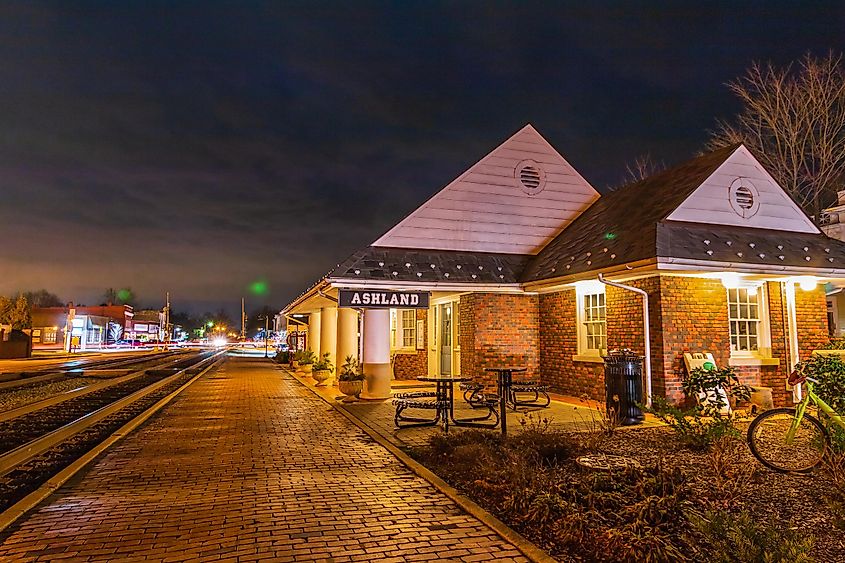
(531, 177)
(744, 198)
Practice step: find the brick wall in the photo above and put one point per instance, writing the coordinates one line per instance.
(625, 322)
(811, 316)
(558, 344)
(695, 319)
(410, 365)
(498, 329)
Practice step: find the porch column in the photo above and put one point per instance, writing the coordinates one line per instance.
(376, 354)
(347, 334)
(314, 332)
(328, 332)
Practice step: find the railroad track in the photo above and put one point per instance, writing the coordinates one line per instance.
(37, 378)
(40, 443)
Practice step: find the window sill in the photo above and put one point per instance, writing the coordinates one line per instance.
(405, 351)
(587, 358)
(740, 361)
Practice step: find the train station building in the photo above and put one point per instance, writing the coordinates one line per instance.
(520, 260)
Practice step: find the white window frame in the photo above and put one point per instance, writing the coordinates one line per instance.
(585, 292)
(401, 334)
(764, 339)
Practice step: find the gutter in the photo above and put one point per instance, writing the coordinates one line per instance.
(646, 334)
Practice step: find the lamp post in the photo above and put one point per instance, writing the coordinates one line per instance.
(266, 335)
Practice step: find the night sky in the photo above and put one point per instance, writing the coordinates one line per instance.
(203, 146)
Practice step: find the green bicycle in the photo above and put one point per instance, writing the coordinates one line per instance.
(790, 440)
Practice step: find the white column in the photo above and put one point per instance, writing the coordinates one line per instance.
(376, 354)
(328, 332)
(347, 334)
(314, 332)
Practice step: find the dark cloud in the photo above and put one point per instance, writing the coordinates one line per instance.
(197, 147)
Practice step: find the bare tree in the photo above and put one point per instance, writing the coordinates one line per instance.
(793, 120)
(643, 167)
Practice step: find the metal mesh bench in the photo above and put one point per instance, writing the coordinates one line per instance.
(472, 391)
(540, 394)
(417, 400)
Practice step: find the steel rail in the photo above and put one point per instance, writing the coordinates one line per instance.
(25, 452)
(115, 363)
(68, 395)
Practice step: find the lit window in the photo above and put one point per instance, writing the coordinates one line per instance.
(409, 328)
(49, 336)
(744, 319)
(592, 320)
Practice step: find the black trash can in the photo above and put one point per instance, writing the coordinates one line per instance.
(623, 386)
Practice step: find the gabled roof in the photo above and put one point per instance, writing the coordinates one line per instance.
(621, 226)
(513, 201)
(640, 221)
(425, 266)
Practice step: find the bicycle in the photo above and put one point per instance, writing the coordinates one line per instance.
(790, 440)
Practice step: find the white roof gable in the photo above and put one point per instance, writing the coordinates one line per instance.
(514, 200)
(740, 192)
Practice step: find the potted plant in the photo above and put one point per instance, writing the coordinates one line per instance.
(322, 369)
(282, 357)
(350, 379)
(306, 361)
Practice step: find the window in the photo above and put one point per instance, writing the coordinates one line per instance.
(409, 328)
(744, 319)
(403, 328)
(49, 336)
(592, 320)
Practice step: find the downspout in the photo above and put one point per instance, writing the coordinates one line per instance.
(646, 334)
(792, 331)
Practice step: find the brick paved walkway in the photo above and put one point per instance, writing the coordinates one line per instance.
(248, 465)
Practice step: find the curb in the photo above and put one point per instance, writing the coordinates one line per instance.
(33, 499)
(527, 548)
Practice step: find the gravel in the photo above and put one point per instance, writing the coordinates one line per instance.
(14, 398)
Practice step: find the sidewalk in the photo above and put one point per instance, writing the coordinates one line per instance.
(564, 413)
(248, 465)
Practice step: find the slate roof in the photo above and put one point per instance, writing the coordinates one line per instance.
(621, 226)
(740, 245)
(407, 265)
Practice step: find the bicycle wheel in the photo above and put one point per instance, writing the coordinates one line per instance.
(767, 440)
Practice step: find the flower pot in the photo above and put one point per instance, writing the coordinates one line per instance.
(351, 389)
(321, 376)
(305, 368)
(294, 364)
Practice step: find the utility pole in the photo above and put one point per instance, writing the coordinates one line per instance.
(266, 335)
(243, 321)
(166, 319)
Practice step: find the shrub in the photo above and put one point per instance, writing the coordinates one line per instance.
(324, 363)
(710, 381)
(351, 370)
(829, 370)
(738, 538)
(697, 427)
(282, 357)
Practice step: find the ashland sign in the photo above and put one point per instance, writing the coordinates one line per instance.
(382, 299)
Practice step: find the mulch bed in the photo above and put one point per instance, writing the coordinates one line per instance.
(797, 502)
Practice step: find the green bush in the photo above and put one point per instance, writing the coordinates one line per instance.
(738, 538)
(829, 370)
(282, 357)
(698, 427)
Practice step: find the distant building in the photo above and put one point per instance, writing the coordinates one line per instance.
(833, 224)
(145, 326)
(92, 327)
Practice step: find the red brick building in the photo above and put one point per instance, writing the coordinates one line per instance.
(520, 260)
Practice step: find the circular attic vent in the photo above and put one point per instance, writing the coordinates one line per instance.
(744, 198)
(532, 178)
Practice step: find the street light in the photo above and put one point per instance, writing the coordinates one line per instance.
(266, 334)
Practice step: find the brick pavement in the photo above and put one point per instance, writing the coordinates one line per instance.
(248, 465)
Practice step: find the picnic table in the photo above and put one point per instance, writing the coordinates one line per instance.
(442, 402)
